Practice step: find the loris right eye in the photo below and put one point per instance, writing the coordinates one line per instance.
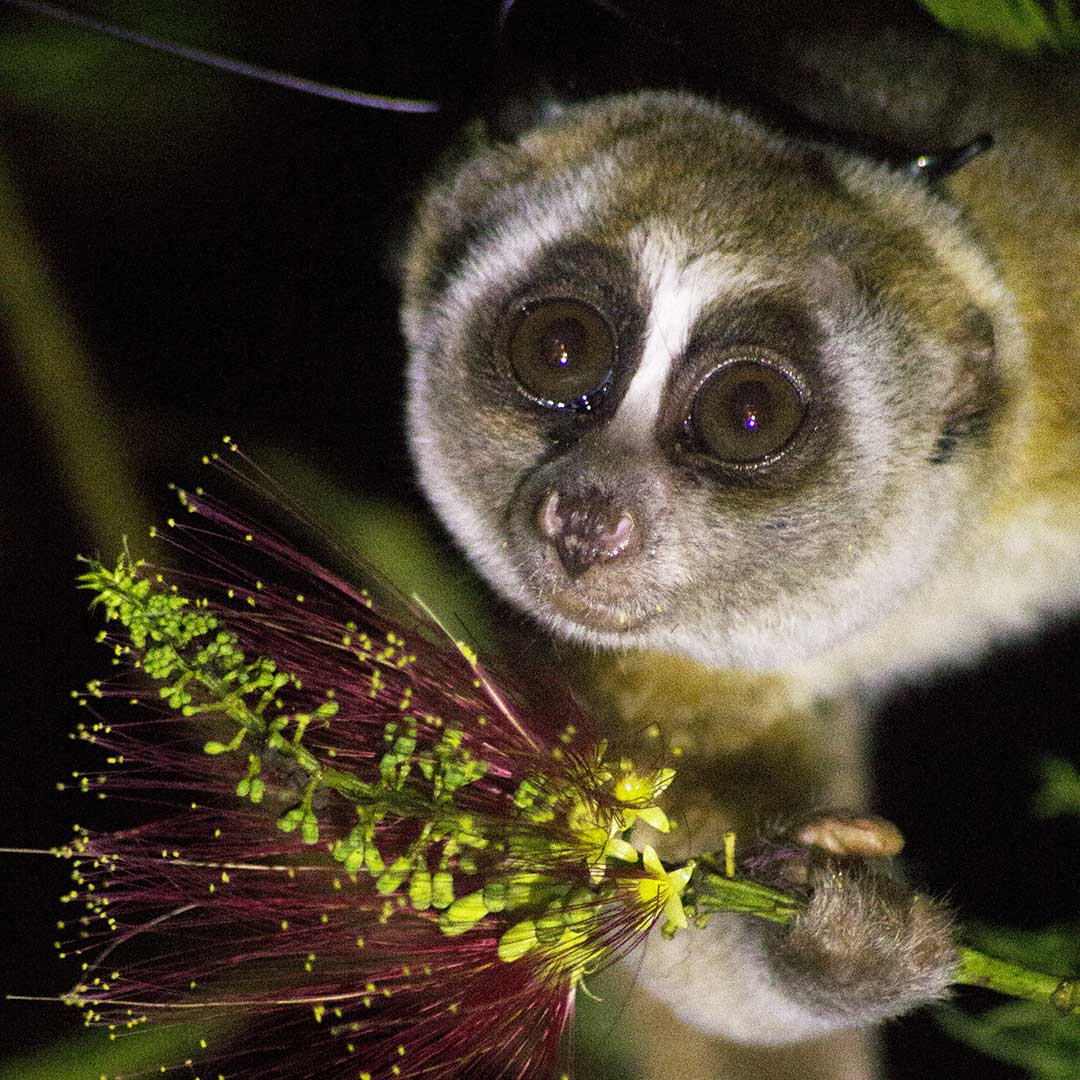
(561, 352)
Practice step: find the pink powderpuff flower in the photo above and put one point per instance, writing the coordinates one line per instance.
(364, 855)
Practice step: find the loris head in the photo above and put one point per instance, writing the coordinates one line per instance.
(679, 383)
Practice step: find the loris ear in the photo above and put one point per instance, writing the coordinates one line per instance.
(972, 391)
(457, 210)
(973, 397)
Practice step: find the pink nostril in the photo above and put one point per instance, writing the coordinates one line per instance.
(620, 535)
(551, 525)
(585, 529)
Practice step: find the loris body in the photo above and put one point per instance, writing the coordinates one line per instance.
(776, 423)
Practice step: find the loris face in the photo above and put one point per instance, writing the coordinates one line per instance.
(678, 383)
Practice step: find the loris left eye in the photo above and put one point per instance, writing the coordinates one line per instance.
(561, 351)
(747, 412)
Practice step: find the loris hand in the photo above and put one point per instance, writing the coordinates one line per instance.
(865, 947)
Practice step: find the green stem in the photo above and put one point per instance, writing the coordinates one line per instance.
(710, 892)
(978, 969)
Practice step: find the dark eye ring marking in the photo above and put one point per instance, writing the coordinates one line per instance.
(562, 352)
(747, 411)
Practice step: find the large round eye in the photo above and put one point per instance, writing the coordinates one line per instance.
(561, 351)
(746, 412)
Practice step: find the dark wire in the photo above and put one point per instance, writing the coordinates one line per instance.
(226, 63)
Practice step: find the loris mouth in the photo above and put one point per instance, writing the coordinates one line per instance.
(591, 616)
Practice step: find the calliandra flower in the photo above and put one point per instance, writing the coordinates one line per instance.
(665, 887)
(357, 848)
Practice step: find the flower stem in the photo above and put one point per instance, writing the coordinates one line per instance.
(710, 892)
(978, 969)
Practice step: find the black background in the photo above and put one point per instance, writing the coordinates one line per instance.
(226, 251)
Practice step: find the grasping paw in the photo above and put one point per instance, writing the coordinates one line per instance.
(866, 945)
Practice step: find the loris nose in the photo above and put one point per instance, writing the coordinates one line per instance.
(586, 528)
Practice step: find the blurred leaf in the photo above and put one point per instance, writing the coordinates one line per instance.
(1024, 25)
(93, 1054)
(1060, 791)
(1055, 949)
(1023, 1033)
(1032, 1036)
(58, 380)
(122, 108)
(602, 1044)
(399, 544)
(48, 68)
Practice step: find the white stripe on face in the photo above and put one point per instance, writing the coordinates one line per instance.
(679, 289)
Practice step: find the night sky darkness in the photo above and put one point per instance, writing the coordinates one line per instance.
(226, 250)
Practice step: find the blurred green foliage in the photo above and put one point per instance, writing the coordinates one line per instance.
(1022, 1033)
(1033, 1037)
(92, 1054)
(399, 544)
(1059, 794)
(99, 91)
(1025, 25)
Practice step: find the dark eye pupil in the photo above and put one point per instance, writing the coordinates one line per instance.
(746, 412)
(750, 406)
(561, 351)
(567, 341)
